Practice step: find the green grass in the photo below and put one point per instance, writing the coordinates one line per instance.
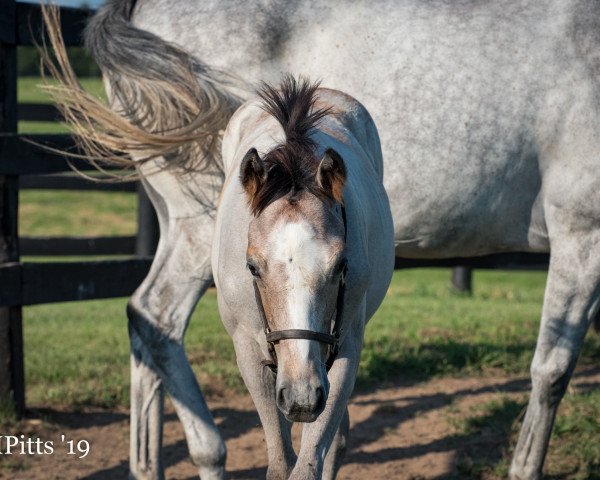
(574, 447)
(49, 212)
(574, 451)
(44, 212)
(29, 91)
(424, 329)
(491, 423)
(77, 353)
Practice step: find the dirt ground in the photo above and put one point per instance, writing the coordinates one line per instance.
(397, 432)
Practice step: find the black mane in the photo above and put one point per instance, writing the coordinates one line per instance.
(292, 165)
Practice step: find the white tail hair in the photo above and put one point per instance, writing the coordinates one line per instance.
(165, 103)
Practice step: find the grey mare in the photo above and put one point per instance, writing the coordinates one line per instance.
(317, 238)
(489, 117)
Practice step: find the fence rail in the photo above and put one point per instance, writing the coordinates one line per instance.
(503, 261)
(38, 112)
(20, 24)
(34, 283)
(71, 182)
(79, 246)
(31, 154)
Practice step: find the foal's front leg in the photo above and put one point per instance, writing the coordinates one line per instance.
(337, 451)
(260, 382)
(317, 437)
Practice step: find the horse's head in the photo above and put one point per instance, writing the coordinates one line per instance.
(296, 255)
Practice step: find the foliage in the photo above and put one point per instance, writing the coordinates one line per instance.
(28, 62)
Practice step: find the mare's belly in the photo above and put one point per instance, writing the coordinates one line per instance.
(483, 206)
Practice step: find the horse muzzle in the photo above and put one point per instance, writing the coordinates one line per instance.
(302, 401)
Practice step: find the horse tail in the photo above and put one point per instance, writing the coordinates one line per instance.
(164, 102)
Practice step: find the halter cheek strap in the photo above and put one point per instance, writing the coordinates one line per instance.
(331, 339)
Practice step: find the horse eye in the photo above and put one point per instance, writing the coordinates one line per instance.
(253, 269)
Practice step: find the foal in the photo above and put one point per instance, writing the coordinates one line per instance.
(302, 258)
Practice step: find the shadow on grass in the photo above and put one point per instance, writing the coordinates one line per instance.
(387, 416)
(78, 419)
(385, 362)
(481, 444)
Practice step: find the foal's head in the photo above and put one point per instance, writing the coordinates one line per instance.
(296, 243)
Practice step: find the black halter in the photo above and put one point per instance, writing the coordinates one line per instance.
(331, 339)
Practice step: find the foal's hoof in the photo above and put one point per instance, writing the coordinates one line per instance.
(212, 473)
(306, 472)
(520, 474)
(278, 473)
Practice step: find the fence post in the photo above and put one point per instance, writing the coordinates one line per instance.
(12, 379)
(148, 232)
(462, 279)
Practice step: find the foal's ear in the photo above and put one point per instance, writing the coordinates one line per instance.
(331, 175)
(253, 173)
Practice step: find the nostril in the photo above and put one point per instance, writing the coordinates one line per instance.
(319, 394)
(281, 397)
(320, 397)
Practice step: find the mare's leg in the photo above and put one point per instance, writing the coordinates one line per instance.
(158, 313)
(260, 382)
(318, 436)
(145, 434)
(337, 451)
(570, 304)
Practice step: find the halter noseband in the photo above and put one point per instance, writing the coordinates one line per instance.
(331, 339)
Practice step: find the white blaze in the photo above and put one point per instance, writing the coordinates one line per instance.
(304, 256)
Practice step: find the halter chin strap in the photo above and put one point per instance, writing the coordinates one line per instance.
(331, 339)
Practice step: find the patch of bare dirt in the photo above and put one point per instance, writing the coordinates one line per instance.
(397, 432)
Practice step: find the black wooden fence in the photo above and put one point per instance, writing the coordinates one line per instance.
(23, 165)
